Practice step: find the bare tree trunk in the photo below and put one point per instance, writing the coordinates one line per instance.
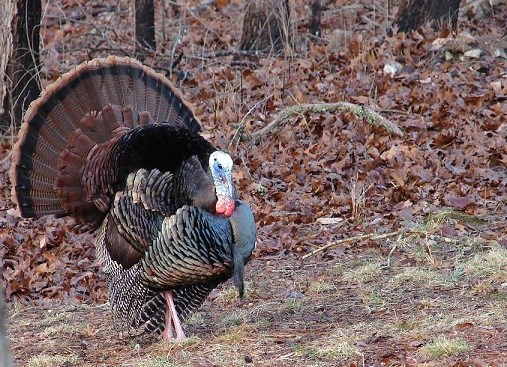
(145, 24)
(5, 360)
(413, 14)
(266, 26)
(19, 59)
(7, 9)
(314, 26)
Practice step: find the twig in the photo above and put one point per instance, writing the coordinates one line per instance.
(387, 110)
(222, 53)
(244, 64)
(202, 6)
(51, 20)
(6, 158)
(372, 236)
(177, 61)
(371, 117)
(241, 126)
(388, 260)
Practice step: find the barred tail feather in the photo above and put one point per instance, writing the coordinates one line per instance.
(90, 105)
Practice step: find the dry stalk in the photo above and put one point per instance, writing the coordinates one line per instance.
(358, 200)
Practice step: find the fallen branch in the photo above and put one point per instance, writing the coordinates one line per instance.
(241, 127)
(371, 117)
(76, 16)
(374, 237)
(370, 236)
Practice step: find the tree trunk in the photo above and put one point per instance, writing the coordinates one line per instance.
(413, 14)
(19, 59)
(145, 25)
(314, 26)
(266, 26)
(5, 360)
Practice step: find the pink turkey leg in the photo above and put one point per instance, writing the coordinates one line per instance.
(171, 318)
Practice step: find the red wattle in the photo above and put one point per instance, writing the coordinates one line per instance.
(225, 207)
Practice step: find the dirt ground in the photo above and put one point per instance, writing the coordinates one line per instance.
(355, 311)
(427, 287)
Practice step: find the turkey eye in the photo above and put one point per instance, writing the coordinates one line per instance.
(220, 166)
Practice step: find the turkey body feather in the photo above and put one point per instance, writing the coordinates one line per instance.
(114, 144)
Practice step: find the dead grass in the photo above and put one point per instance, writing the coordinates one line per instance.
(363, 273)
(339, 345)
(45, 360)
(320, 315)
(446, 299)
(229, 293)
(61, 330)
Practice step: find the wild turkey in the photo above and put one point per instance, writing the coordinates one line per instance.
(113, 144)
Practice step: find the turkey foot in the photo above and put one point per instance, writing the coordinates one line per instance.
(171, 319)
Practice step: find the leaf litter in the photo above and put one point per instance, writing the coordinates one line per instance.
(321, 177)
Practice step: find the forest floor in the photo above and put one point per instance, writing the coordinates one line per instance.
(426, 287)
(355, 311)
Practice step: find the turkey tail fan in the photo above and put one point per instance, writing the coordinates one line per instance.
(85, 111)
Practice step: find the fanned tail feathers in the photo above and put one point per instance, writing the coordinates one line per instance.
(72, 126)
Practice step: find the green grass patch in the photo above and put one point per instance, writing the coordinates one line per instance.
(343, 349)
(196, 319)
(445, 347)
(364, 273)
(292, 305)
(234, 318)
(158, 361)
(374, 300)
(419, 276)
(317, 287)
(306, 351)
(228, 294)
(490, 264)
